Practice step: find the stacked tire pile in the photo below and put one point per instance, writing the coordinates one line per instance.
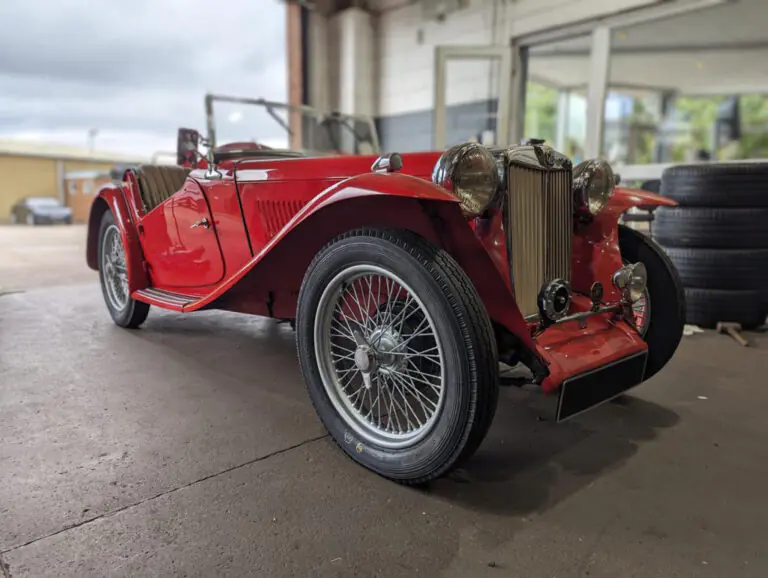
(718, 239)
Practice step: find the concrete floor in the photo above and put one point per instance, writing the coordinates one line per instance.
(189, 448)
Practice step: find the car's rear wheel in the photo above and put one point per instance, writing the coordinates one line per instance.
(398, 354)
(660, 312)
(113, 274)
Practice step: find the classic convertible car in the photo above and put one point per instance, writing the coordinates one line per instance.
(408, 278)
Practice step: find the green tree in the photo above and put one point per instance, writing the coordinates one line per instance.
(754, 122)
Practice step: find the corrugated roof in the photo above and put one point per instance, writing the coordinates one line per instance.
(64, 152)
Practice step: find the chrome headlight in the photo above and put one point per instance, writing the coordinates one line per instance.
(593, 181)
(631, 280)
(469, 171)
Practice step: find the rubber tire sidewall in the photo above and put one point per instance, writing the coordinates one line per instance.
(717, 184)
(711, 228)
(731, 269)
(422, 459)
(135, 312)
(708, 307)
(666, 295)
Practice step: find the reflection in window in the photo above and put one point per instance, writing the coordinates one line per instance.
(642, 129)
(558, 116)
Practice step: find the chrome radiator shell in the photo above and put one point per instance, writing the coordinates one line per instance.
(538, 221)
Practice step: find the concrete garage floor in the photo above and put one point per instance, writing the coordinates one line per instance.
(189, 448)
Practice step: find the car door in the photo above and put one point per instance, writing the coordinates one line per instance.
(180, 243)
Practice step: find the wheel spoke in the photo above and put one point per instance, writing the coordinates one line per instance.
(414, 390)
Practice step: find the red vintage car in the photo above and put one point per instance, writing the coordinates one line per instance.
(409, 279)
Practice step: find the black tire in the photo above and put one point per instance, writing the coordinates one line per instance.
(465, 333)
(666, 296)
(717, 185)
(135, 312)
(711, 228)
(722, 268)
(707, 307)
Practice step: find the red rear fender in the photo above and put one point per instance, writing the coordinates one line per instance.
(112, 198)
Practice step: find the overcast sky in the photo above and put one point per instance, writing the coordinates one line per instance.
(136, 70)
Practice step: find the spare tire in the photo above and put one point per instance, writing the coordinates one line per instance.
(721, 268)
(717, 184)
(715, 228)
(707, 307)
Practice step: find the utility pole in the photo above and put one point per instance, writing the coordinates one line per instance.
(92, 138)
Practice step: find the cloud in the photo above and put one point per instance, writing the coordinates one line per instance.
(134, 69)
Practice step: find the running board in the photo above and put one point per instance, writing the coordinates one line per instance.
(164, 299)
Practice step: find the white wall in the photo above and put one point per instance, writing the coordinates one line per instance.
(405, 44)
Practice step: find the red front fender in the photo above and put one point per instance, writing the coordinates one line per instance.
(111, 198)
(624, 199)
(269, 283)
(596, 253)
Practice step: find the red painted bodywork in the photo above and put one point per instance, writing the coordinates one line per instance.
(270, 217)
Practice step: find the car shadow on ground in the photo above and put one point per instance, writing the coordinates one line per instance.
(527, 464)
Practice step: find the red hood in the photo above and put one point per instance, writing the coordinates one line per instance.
(332, 168)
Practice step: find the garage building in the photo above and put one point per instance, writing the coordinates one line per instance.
(35, 169)
(637, 81)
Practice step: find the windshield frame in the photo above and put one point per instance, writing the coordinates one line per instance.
(271, 106)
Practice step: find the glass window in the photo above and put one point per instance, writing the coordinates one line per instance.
(691, 87)
(555, 98)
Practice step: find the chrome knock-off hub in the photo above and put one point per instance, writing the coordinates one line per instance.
(388, 349)
(365, 359)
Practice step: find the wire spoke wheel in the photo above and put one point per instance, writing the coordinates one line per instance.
(397, 352)
(380, 356)
(115, 270)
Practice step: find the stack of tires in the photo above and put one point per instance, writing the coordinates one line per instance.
(718, 239)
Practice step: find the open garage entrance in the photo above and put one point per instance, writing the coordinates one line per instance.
(676, 82)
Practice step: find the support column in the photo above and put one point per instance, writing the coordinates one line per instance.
(597, 90)
(563, 120)
(661, 151)
(295, 52)
(357, 74)
(318, 57)
(518, 93)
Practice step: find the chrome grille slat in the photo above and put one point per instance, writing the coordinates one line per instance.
(539, 225)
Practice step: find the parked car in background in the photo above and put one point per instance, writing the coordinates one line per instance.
(39, 211)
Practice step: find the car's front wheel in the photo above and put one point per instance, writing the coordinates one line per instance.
(113, 274)
(660, 312)
(398, 354)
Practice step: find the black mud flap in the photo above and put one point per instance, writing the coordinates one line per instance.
(590, 389)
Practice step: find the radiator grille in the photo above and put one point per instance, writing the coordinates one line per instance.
(539, 225)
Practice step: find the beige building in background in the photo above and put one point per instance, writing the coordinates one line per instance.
(37, 169)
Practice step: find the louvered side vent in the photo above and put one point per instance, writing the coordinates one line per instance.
(540, 226)
(275, 214)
